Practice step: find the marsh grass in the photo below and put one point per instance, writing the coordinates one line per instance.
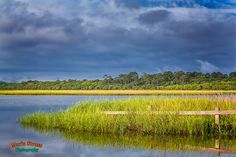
(89, 117)
(116, 92)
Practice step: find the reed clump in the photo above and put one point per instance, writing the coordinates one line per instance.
(90, 117)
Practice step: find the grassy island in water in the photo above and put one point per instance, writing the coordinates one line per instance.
(90, 117)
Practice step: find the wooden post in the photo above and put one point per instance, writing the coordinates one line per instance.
(217, 116)
(217, 146)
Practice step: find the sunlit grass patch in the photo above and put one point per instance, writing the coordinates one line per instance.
(116, 92)
(90, 117)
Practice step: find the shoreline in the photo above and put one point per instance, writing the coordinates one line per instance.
(117, 92)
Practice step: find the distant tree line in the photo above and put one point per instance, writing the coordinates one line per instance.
(132, 80)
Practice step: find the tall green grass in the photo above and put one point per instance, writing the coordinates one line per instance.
(89, 117)
(116, 92)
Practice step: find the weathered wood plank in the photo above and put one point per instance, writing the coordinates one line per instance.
(217, 116)
(220, 151)
(226, 112)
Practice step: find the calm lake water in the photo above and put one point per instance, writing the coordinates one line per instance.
(87, 145)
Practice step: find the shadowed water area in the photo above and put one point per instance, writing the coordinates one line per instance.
(63, 144)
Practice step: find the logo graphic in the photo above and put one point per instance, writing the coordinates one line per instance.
(26, 146)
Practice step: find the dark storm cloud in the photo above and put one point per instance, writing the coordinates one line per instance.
(90, 42)
(213, 41)
(21, 29)
(154, 16)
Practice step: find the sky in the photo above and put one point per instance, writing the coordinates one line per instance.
(86, 39)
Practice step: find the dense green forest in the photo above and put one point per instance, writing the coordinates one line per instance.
(132, 80)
